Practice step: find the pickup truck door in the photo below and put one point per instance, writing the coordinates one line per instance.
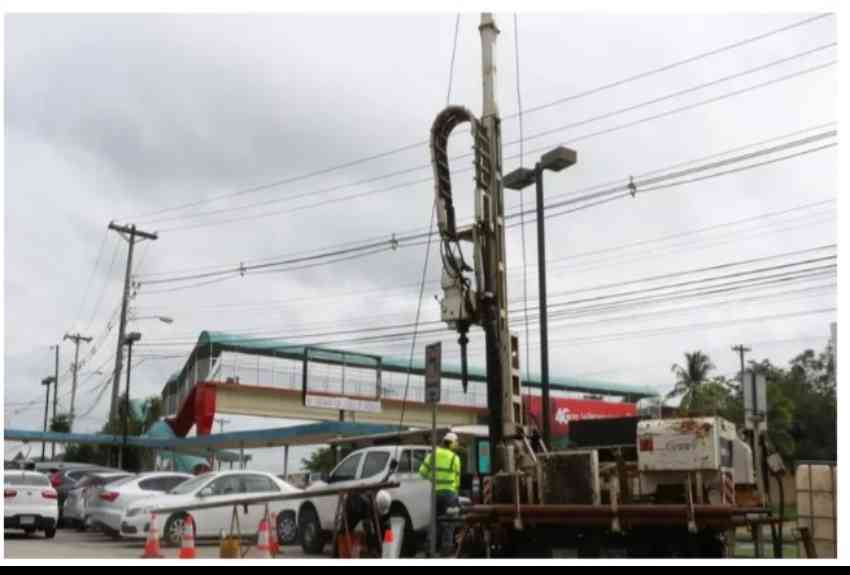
(345, 475)
(414, 492)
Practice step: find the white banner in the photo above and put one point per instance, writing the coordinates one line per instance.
(343, 403)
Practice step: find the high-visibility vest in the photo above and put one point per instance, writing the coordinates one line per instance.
(448, 470)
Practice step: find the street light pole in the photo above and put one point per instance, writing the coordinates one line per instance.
(130, 340)
(554, 160)
(544, 314)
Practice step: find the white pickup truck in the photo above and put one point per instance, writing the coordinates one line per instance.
(411, 500)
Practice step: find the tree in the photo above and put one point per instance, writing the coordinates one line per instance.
(139, 422)
(690, 377)
(60, 424)
(322, 460)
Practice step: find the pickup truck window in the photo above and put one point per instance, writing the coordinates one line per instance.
(376, 462)
(404, 462)
(347, 470)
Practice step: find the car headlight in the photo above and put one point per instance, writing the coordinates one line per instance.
(383, 501)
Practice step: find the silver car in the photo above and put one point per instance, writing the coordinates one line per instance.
(107, 505)
(75, 510)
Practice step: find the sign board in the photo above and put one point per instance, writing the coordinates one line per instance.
(433, 367)
(339, 403)
(755, 400)
(563, 410)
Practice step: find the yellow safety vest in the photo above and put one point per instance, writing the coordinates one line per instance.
(448, 470)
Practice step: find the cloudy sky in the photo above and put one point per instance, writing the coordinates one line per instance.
(218, 133)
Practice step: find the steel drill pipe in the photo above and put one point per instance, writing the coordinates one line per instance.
(663, 511)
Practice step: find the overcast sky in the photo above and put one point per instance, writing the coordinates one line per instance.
(118, 117)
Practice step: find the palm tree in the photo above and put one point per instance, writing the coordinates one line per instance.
(691, 376)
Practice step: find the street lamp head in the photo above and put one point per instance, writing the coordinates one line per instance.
(48, 380)
(132, 338)
(558, 159)
(519, 179)
(165, 319)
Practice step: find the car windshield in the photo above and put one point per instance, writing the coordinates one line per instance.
(192, 484)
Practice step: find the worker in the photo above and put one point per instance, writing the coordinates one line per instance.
(448, 472)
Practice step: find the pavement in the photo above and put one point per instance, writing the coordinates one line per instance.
(73, 544)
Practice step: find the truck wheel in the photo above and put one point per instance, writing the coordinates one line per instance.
(310, 531)
(409, 545)
(50, 532)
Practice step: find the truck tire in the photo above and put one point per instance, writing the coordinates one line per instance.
(50, 532)
(310, 532)
(410, 545)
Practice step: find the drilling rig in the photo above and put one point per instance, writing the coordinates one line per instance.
(538, 502)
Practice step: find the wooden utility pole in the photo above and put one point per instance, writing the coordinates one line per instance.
(75, 369)
(129, 233)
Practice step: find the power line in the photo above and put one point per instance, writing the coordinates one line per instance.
(602, 251)
(408, 147)
(614, 193)
(522, 197)
(538, 135)
(602, 287)
(596, 298)
(91, 276)
(427, 257)
(413, 234)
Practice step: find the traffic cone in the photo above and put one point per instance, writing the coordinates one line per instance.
(275, 544)
(187, 543)
(389, 538)
(264, 548)
(152, 550)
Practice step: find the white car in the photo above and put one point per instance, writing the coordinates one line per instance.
(107, 509)
(220, 487)
(75, 510)
(410, 501)
(29, 503)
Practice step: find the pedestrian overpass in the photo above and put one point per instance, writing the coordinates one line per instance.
(231, 374)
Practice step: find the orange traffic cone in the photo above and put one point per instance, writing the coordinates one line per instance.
(187, 543)
(275, 544)
(264, 548)
(152, 550)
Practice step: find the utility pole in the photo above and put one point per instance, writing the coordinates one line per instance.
(129, 233)
(742, 350)
(75, 369)
(46, 383)
(55, 395)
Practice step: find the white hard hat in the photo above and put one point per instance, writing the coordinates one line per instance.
(383, 500)
(450, 437)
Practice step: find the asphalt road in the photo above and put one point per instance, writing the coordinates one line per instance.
(72, 544)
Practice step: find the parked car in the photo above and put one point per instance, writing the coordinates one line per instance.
(74, 511)
(29, 503)
(107, 509)
(220, 487)
(411, 501)
(64, 480)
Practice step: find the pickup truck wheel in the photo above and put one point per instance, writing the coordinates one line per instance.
(310, 531)
(50, 532)
(409, 544)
